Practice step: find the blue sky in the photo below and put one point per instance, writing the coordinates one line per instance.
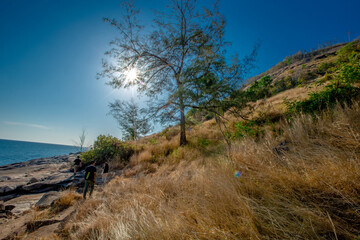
(51, 50)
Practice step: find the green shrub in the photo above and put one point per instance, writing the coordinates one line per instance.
(350, 50)
(284, 84)
(153, 141)
(340, 89)
(326, 67)
(249, 128)
(260, 89)
(203, 142)
(319, 101)
(106, 148)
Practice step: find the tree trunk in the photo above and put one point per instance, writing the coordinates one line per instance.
(183, 141)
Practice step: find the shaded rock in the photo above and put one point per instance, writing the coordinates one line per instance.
(4, 178)
(2, 207)
(77, 182)
(47, 200)
(281, 148)
(5, 189)
(3, 215)
(33, 225)
(33, 187)
(8, 197)
(33, 180)
(9, 207)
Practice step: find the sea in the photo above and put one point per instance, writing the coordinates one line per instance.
(12, 151)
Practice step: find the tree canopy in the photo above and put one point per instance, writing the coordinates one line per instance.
(181, 61)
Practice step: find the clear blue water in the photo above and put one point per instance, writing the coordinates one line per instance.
(19, 151)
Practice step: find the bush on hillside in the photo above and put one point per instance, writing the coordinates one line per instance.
(319, 101)
(340, 89)
(260, 89)
(249, 129)
(284, 84)
(106, 148)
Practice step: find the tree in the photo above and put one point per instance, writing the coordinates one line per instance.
(180, 62)
(82, 138)
(130, 119)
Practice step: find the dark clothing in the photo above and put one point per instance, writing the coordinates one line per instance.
(106, 168)
(77, 161)
(88, 184)
(89, 172)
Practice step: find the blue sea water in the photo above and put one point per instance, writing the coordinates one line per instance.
(18, 151)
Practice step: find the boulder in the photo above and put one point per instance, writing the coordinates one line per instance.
(32, 180)
(9, 207)
(47, 199)
(5, 189)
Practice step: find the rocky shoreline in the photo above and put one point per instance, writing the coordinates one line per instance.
(23, 185)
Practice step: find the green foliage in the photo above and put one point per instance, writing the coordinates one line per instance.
(195, 116)
(260, 89)
(203, 142)
(152, 141)
(284, 84)
(324, 99)
(340, 89)
(349, 51)
(249, 128)
(131, 118)
(287, 60)
(106, 148)
(326, 67)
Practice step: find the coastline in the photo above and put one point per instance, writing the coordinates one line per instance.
(35, 177)
(14, 151)
(34, 184)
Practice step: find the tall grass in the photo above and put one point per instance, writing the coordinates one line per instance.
(311, 191)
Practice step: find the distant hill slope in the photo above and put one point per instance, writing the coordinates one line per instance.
(300, 66)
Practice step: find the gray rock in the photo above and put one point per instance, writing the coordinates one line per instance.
(9, 207)
(3, 215)
(33, 187)
(33, 180)
(47, 199)
(8, 197)
(4, 178)
(5, 189)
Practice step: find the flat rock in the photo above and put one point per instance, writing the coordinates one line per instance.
(24, 202)
(35, 176)
(4, 178)
(47, 199)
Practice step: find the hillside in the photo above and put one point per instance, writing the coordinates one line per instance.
(302, 65)
(281, 174)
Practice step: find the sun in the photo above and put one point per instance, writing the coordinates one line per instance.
(131, 75)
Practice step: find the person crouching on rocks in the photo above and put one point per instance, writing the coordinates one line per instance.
(77, 164)
(106, 172)
(90, 179)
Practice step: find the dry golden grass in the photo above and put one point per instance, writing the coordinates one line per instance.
(311, 191)
(67, 199)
